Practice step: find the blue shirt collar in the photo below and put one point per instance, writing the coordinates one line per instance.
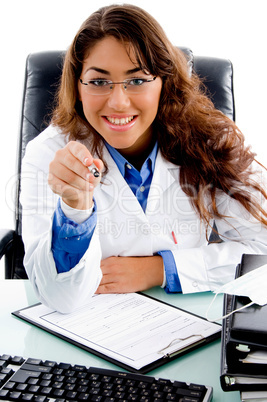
(121, 162)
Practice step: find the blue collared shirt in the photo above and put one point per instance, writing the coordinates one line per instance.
(139, 182)
(71, 240)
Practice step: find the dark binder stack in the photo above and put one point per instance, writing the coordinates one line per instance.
(244, 340)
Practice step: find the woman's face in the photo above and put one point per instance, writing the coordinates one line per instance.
(123, 119)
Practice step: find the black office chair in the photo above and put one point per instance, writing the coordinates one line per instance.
(42, 75)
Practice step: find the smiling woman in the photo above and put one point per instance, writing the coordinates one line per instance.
(171, 167)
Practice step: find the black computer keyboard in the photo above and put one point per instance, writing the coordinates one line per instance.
(42, 381)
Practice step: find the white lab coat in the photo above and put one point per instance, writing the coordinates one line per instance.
(123, 229)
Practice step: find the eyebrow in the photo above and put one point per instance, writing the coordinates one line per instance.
(102, 71)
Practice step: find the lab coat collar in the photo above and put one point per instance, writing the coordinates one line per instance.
(165, 174)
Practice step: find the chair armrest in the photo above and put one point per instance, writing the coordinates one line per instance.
(6, 240)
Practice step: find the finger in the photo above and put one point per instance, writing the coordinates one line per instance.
(60, 172)
(95, 168)
(110, 262)
(109, 288)
(72, 163)
(65, 157)
(97, 162)
(67, 190)
(112, 277)
(80, 152)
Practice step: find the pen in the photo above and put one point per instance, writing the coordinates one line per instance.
(93, 169)
(174, 237)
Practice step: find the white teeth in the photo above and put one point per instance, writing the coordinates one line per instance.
(120, 122)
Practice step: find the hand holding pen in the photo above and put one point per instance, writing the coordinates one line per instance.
(74, 174)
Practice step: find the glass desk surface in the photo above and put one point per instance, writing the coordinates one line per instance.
(17, 337)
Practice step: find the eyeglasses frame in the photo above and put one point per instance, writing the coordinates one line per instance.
(112, 83)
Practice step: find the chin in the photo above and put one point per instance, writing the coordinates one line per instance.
(120, 144)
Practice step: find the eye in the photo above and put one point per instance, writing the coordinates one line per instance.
(137, 81)
(98, 83)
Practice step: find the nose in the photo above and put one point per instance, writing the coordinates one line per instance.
(118, 98)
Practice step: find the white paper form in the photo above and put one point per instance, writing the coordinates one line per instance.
(131, 328)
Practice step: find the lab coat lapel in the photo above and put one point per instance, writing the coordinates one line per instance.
(113, 184)
(116, 187)
(165, 174)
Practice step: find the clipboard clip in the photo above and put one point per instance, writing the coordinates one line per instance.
(178, 340)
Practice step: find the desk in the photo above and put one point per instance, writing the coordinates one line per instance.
(20, 338)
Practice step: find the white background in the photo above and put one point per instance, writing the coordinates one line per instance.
(233, 29)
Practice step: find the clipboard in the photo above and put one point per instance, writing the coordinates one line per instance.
(134, 331)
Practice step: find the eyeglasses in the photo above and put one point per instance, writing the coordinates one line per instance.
(133, 86)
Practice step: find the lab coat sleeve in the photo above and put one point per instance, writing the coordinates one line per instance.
(210, 266)
(66, 291)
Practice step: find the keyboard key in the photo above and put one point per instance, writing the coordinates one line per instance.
(27, 397)
(15, 395)
(58, 393)
(5, 357)
(24, 375)
(197, 387)
(3, 393)
(50, 363)
(36, 362)
(71, 395)
(17, 360)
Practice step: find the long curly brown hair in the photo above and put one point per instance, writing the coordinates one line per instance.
(191, 133)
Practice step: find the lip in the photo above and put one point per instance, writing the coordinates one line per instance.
(120, 127)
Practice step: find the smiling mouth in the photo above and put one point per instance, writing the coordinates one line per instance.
(120, 122)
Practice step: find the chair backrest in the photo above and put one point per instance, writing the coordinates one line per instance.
(42, 74)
